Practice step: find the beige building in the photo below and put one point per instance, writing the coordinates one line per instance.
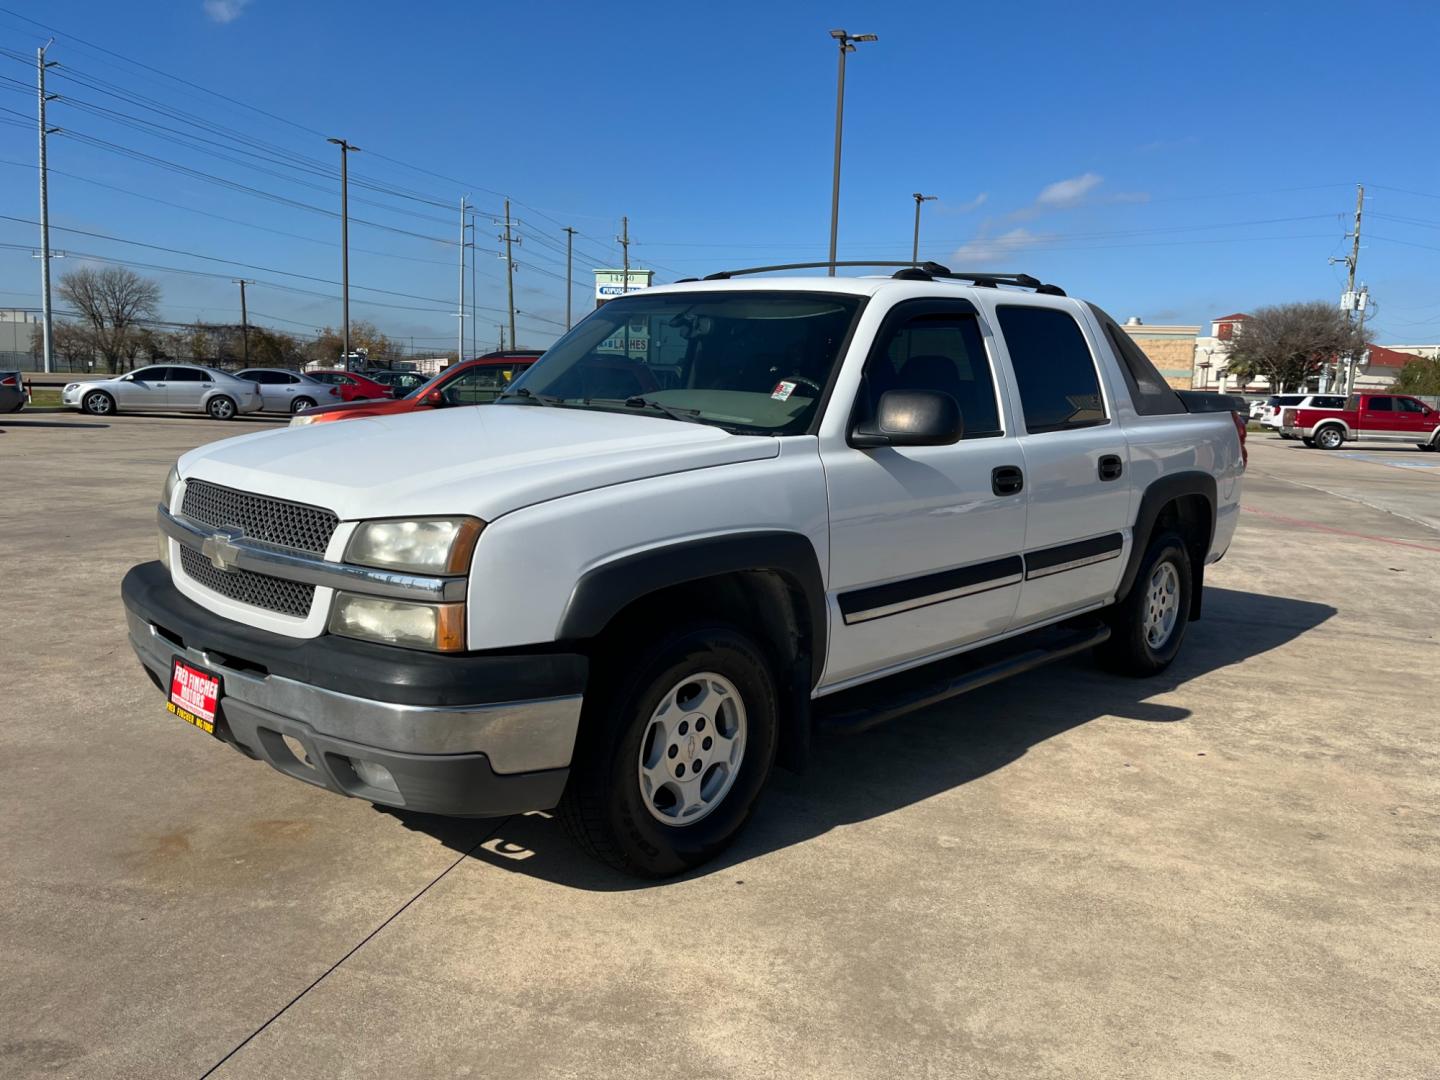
(1170, 348)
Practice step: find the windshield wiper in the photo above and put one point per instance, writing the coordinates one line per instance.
(529, 395)
(689, 416)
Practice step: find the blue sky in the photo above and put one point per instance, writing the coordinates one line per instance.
(1172, 162)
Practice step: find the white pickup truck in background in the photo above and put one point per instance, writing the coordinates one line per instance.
(715, 517)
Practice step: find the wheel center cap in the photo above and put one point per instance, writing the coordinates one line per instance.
(690, 744)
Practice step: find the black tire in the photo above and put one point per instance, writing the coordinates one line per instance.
(1330, 437)
(1309, 442)
(98, 403)
(221, 407)
(1130, 650)
(302, 403)
(604, 808)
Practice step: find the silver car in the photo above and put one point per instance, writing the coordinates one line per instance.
(287, 391)
(165, 388)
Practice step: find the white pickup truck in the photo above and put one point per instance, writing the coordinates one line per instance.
(714, 518)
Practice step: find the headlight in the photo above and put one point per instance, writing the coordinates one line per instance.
(72, 386)
(169, 489)
(438, 627)
(300, 420)
(421, 546)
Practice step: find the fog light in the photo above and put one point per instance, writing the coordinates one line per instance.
(373, 775)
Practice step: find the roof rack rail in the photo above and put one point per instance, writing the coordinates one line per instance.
(909, 271)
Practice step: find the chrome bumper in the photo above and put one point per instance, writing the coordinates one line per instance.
(515, 736)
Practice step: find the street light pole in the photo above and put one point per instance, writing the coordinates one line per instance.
(846, 42)
(345, 149)
(915, 247)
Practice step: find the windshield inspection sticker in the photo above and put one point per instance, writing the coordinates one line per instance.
(783, 390)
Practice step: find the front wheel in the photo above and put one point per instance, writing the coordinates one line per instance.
(99, 403)
(301, 404)
(221, 408)
(1309, 442)
(673, 752)
(1148, 626)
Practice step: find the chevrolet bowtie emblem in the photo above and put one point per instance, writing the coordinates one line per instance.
(219, 547)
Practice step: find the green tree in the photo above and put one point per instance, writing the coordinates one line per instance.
(1290, 344)
(1420, 376)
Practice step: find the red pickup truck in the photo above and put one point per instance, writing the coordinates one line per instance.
(1383, 417)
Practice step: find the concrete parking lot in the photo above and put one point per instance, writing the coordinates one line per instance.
(1231, 871)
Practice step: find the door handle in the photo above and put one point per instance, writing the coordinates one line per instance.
(1007, 480)
(1111, 466)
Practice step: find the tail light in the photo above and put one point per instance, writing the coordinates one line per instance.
(1240, 430)
(9, 380)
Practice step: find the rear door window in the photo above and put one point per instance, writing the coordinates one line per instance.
(1380, 404)
(1054, 369)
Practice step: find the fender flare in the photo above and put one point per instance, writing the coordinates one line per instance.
(1330, 421)
(1161, 492)
(602, 592)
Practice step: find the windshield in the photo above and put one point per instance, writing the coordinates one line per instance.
(749, 361)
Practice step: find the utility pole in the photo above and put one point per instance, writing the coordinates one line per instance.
(915, 247)
(1345, 383)
(47, 329)
(569, 275)
(460, 313)
(624, 239)
(345, 149)
(847, 45)
(500, 329)
(474, 291)
(509, 274)
(244, 320)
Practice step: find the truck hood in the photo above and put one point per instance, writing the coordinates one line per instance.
(485, 460)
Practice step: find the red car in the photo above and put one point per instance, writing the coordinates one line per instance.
(352, 387)
(474, 382)
(1382, 417)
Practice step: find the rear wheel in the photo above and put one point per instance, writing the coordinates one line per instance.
(673, 752)
(220, 407)
(1148, 626)
(99, 403)
(1329, 437)
(1309, 442)
(302, 403)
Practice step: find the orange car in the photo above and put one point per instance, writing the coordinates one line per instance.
(473, 382)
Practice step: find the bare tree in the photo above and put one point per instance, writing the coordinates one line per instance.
(1290, 344)
(113, 302)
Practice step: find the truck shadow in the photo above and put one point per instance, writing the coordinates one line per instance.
(854, 778)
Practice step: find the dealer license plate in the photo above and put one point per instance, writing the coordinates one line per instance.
(194, 695)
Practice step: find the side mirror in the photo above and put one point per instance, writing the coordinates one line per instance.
(911, 418)
(434, 397)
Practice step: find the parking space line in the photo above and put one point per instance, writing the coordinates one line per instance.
(1284, 520)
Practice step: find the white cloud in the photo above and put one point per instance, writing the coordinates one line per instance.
(1069, 192)
(989, 249)
(965, 207)
(225, 11)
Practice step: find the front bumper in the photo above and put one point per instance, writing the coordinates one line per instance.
(468, 736)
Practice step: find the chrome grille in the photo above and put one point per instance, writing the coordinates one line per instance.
(248, 587)
(270, 521)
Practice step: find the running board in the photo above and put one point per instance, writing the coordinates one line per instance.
(885, 699)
